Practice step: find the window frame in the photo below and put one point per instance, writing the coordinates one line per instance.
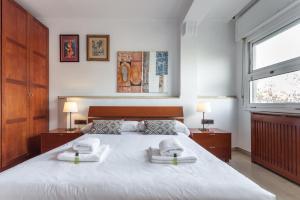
(249, 74)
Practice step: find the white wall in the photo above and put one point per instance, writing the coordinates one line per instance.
(262, 12)
(195, 51)
(88, 78)
(216, 59)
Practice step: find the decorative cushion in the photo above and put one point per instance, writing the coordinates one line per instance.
(106, 127)
(160, 127)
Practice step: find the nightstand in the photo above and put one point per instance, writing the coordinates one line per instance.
(57, 137)
(216, 141)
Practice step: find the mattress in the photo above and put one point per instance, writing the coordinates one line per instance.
(127, 174)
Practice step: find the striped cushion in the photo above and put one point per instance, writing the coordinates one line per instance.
(106, 127)
(160, 127)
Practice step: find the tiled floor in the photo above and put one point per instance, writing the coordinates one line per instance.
(284, 189)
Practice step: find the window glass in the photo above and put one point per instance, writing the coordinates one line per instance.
(283, 88)
(281, 47)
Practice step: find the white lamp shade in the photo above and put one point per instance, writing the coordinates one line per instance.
(70, 107)
(203, 107)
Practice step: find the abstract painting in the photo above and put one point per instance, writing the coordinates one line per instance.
(69, 48)
(97, 47)
(142, 72)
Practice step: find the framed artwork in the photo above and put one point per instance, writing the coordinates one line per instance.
(97, 47)
(69, 48)
(142, 72)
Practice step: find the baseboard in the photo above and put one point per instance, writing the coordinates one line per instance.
(243, 151)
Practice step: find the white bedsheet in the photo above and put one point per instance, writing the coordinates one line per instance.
(128, 175)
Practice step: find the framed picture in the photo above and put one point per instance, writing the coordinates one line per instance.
(69, 48)
(97, 47)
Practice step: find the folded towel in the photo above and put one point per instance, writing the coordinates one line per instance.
(155, 157)
(169, 147)
(98, 156)
(87, 145)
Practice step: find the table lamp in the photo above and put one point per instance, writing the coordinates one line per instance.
(70, 107)
(203, 107)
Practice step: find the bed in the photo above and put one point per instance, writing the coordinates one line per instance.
(127, 173)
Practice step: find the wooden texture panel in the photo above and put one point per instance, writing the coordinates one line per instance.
(135, 112)
(24, 83)
(14, 83)
(275, 143)
(56, 138)
(39, 81)
(216, 141)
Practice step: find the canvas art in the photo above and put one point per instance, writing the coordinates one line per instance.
(69, 48)
(97, 47)
(142, 72)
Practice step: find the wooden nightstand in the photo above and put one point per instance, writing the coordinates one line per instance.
(216, 141)
(57, 137)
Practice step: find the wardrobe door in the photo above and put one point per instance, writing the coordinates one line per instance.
(39, 79)
(15, 99)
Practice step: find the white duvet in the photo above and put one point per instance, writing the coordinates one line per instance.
(127, 174)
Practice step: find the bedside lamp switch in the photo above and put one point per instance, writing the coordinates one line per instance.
(80, 122)
(207, 121)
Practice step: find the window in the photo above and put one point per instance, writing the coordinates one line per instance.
(274, 73)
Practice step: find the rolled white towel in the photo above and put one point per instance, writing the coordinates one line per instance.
(87, 145)
(155, 157)
(169, 147)
(98, 156)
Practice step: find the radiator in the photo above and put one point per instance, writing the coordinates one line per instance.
(275, 144)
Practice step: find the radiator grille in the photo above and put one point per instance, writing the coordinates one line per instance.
(275, 143)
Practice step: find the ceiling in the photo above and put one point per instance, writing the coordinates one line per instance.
(222, 10)
(114, 9)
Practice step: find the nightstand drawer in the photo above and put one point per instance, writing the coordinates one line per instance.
(216, 141)
(212, 139)
(52, 140)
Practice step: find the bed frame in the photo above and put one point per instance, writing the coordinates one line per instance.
(137, 113)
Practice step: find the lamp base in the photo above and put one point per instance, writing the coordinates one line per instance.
(70, 129)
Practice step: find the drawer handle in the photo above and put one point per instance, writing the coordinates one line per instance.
(212, 147)
(61, 134)
(212, 134)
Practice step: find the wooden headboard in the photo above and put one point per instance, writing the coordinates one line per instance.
(135, 112)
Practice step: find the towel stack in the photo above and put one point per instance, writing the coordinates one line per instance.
(88, 149)
(169, 150)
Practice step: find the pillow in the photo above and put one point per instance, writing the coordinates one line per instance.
(129, 126)
(86, 128)
(181, 128)
(141, 126)
(106, 127)
(160, 127)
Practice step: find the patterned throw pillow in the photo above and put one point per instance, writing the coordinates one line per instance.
(160, 127)
(106, 127)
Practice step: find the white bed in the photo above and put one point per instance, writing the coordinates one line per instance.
(127, 174)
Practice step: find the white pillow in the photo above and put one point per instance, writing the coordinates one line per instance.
(179, 127)
(86, 128)
(129, 126)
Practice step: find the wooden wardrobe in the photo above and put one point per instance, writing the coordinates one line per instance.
(24, 83)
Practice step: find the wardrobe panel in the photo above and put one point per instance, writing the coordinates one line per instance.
(16, 61)
(15, 85)
(39, 81)
(39, 67)
(14, 146)
(15, 22)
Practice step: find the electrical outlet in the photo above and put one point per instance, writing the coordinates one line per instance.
(207, 121)
(80, 122)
